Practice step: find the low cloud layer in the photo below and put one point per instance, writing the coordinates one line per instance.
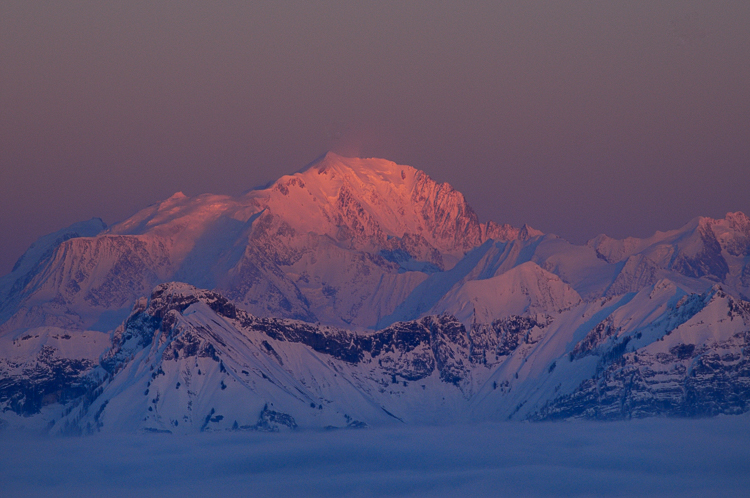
(655, 457)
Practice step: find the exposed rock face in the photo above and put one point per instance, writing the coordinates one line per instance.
(409, 350)
(687, 381)
(47, 369)
(683, 380)
(745, 276)
(594, 339)
(27, 387)
(493, 343)
(268, 421)
(733, 233)
(708, 261)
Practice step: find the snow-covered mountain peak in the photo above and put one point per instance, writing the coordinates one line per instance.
(366, 202)
(329, 173)
(372, 170)
(177, 196)
(526, 289)
(361, 202)
(178, 211)
(342, 241)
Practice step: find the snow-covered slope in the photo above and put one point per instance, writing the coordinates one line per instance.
(190, 360)
(525, 289)
(474, 320)
(692, 361)
(17, 285)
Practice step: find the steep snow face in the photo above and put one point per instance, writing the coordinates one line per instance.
(15, 285)
(524, 290)
(42, 249)
(89, 275)
(661, 351)
(190, 360)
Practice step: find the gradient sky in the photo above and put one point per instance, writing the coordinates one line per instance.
(577, 117)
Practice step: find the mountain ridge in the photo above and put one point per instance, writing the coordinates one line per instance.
(372, 212)
(188, 360)
(349, 281)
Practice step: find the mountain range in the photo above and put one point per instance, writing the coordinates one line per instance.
(359, 292)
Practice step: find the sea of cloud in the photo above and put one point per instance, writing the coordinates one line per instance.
(654, 457)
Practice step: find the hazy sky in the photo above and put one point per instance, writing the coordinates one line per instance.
(576, 117)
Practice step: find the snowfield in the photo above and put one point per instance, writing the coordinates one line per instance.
(652, 457)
